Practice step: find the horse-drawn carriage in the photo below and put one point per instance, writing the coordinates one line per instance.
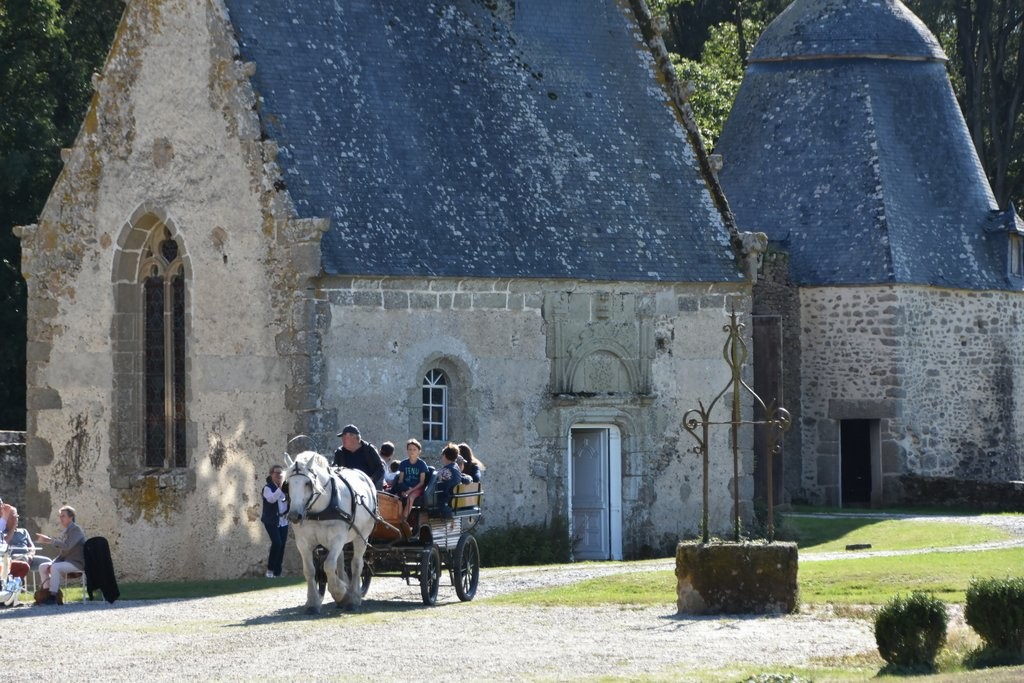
(422, 550)
(337, 513)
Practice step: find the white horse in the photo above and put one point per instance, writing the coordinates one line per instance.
(330, 508)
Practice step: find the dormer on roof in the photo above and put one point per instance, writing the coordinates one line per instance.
(1007, 226)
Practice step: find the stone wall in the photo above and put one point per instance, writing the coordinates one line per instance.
(995, 496)
(12, 468)
(528, 360)
(936, 368)
(963, 384)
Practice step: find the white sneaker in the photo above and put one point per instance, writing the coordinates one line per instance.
(270, 575)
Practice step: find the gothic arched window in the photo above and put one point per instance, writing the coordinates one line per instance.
(435, 406)
(163, 351)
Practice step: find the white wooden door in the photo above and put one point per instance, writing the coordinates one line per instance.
(590, 494)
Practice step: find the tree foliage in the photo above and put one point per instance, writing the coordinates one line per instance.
(48, 51)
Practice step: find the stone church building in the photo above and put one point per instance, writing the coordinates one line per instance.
(489, 222)
(494, 221)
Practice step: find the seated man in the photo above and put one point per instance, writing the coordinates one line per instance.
(448, 478)
(71, 545)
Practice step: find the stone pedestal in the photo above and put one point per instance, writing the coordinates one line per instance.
(736, 578)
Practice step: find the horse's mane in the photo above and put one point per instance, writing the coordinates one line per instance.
(311, 460)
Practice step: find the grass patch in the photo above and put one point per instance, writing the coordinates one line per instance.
(856, 581)
(831, 534)
(873, 580)
(637, 589)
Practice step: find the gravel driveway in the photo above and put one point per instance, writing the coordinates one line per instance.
(266, 635)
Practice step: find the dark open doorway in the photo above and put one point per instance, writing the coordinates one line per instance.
(855, 458)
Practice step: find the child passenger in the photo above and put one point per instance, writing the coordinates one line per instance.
(391, 476)
(412, 475)
(387, 451)
(448, 478)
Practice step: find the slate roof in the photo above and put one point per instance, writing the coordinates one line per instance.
(817, 28)
(450, 139)
(860, 167)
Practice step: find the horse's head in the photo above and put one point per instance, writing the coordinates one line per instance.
(304, 483)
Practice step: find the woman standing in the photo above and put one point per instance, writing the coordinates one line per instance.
(275, 505)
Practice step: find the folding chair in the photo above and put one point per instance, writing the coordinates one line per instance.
(72, 576)
(23, 570)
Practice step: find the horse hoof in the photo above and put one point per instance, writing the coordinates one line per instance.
(312, 610)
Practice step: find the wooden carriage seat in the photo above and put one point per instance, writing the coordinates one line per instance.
(467, 497)
(390, 508)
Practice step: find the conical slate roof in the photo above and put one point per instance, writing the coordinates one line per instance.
(860, 166)
(481, 139)
(820, 28)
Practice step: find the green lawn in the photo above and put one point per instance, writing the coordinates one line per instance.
(856, 580)
(831, 534)
(860, 581)
(874, 580)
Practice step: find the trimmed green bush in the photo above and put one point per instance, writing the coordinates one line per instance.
(995, 610)
(525, 544)
(911, 631)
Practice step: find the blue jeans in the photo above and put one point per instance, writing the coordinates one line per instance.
(278, 537)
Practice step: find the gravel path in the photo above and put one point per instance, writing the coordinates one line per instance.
(266, 635)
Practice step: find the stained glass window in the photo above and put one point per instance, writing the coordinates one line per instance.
(164, 356)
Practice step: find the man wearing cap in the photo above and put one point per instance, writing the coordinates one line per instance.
(356, 454)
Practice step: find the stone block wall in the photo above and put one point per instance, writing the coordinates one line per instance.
(996, 496)
(849, 352)
(527, 361)
(939, 370)
(963, 384)
(12, 468)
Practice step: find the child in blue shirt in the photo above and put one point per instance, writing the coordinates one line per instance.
(448, 478)
(412, 476)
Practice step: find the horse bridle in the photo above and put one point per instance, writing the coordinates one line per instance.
(314, 482)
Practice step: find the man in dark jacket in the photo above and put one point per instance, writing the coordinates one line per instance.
(356, 454)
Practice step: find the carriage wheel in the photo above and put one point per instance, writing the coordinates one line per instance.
(366, 577)
(466, 575)
(430, 574)
(319, 555)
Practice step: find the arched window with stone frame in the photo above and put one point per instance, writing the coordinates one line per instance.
(163, 351)
(435, 405)
(150, 430)
(439, 400)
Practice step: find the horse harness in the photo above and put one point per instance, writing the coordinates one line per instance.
(334, 511)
